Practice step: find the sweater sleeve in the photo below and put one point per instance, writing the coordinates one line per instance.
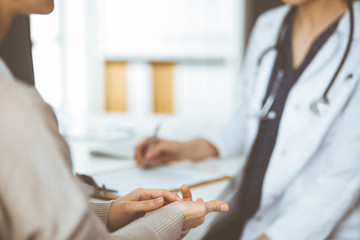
(101, 210)
(164, 223)
(39, 196)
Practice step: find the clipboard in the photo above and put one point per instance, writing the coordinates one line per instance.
(169, 177)
(112, 196)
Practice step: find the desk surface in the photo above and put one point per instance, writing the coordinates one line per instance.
(86, 164)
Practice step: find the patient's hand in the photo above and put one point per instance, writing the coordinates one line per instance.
(195, 212)
(134, 205)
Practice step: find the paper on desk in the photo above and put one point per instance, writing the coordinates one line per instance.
(168, 177)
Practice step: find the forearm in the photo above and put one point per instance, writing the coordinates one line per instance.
(162, 224)
(198, 149)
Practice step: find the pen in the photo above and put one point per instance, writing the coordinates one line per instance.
(150, 145)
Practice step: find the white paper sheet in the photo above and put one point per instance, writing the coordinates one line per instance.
(168, 177)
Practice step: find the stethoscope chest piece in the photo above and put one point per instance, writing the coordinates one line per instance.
(320, 107)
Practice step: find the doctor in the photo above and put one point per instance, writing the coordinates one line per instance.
(297, 125)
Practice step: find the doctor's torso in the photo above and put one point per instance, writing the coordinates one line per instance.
(306, 142)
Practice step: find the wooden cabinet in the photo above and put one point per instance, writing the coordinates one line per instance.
(115, 86)
(162, 77)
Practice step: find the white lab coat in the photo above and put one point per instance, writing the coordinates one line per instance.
(312, 185)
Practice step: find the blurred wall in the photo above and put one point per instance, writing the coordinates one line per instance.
(15, 50)
(162, 30)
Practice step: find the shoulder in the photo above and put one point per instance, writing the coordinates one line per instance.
(18, 99)
(267, 26)
(279, 10)
(272, 17)
(29, 131)
(23, 111)
(12, 100)
(356, 6)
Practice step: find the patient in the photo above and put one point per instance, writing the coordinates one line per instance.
(39, 196)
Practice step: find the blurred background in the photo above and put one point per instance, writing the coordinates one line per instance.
(109, 64)
(127, 61)
(114, 69)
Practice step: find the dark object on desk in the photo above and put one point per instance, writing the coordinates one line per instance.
(99, 192)
(107, 154)
(15, 50)
(90, 181)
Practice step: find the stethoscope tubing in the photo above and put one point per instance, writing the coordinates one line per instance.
(320, 106)
(347, 51)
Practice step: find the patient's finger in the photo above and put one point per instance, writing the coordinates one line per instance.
(147, 194)
(186, 193)
(216, 206)
(200, 200)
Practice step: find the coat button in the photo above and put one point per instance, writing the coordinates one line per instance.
(258, 218)
(349, 77)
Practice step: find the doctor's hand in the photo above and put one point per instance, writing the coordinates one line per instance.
(135, 204)
(164, 151)
(195, 212)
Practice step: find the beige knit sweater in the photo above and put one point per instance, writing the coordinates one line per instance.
(39, 196)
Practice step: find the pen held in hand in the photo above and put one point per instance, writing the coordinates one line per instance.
(152, 142)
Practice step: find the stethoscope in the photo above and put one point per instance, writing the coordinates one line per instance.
(320, 106)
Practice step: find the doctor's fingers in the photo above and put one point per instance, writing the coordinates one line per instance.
(156, 162)
(161, 147)
(140, 150)
(169, 150)
(158, 155)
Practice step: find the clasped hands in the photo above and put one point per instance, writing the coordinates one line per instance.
(137, 203)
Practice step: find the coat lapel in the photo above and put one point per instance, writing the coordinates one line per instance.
(259, 78)
(301, 132)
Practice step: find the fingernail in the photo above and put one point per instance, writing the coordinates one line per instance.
(224, 208)
(158, 200)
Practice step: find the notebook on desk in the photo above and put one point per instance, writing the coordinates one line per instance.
(169, 177)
